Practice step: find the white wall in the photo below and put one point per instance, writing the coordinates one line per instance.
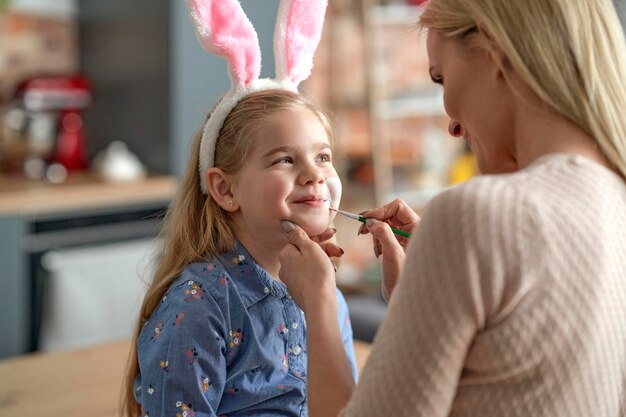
(199, 79)
(55, 9)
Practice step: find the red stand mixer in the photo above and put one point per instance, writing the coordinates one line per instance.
(68, 96)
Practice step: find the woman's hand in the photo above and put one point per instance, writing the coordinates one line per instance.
(399, 215)
(330, 248)
(306, 269)
(310, 278)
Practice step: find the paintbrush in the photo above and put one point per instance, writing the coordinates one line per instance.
(362, 220)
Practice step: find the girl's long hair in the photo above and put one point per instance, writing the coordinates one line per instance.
(195, 227)
(570, 52)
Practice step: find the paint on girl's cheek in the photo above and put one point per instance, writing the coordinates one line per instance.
(333, 185)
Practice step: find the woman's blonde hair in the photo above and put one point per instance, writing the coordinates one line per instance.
(195, 227)
(571, 53)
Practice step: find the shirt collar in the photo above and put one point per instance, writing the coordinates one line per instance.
(253, 282)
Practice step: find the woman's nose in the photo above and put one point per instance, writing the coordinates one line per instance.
(455, 129)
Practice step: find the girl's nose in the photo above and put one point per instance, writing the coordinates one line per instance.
(312, 174)
(455, 129)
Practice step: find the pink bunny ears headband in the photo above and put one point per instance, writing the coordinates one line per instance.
(223, 29)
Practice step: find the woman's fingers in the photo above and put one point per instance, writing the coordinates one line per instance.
(362, 230)
(305, 268)
(397, 213)
(392, 252)
(295, 235)
(327, 234)
(332, 250)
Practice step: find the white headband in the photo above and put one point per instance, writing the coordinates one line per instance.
(223, 29)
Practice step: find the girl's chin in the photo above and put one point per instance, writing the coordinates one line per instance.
(313, 228)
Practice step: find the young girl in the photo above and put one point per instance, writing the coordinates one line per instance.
(218, 332)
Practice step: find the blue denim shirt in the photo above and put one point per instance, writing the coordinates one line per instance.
(227, 340)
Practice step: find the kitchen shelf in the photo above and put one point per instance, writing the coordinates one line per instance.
(420, 106)
(371, 71)
(411, 149)
(392, 14)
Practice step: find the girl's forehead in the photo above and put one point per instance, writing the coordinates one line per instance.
(263, 147)
(300, 125)
(291, 114)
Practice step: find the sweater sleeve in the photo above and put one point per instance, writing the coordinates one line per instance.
(452, 285)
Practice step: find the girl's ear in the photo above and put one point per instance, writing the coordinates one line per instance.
(219, 186)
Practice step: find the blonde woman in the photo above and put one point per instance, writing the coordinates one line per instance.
(511, 295)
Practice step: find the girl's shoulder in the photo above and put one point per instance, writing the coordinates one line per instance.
(199, 281)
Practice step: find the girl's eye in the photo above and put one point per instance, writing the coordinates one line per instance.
(325, 157)
(283, 160)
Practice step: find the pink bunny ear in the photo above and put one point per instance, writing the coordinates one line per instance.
(223, 28)
(298, 31)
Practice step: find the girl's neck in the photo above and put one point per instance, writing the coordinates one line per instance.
(263, 252)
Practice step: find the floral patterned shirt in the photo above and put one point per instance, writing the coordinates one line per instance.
(227, 340)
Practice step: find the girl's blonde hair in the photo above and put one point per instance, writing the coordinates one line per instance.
(570, 52)
(195, 227)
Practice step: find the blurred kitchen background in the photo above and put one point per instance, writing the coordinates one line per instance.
(98, 103)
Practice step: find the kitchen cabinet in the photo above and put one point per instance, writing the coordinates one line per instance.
(37, 219)
(153, 82)
(14, 324)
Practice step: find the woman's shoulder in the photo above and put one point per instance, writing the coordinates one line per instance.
(484, 196)
(488, 213)
(540, 191)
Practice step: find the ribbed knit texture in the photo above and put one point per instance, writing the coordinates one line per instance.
(512, 302)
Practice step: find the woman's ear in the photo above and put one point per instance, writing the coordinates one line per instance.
(494, 51)
(219, 186)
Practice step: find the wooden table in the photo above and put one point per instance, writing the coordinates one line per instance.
(80, 383)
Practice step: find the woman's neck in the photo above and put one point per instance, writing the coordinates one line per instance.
(539, 130)
(541, 133)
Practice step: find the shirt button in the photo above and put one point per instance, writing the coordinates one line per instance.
(288, 296)
(297, 350)
(294, 326)
(266, 290)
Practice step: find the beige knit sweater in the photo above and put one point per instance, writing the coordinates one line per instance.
(512, 302)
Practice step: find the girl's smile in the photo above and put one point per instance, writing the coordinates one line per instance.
(314, 200)
(284, 178)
